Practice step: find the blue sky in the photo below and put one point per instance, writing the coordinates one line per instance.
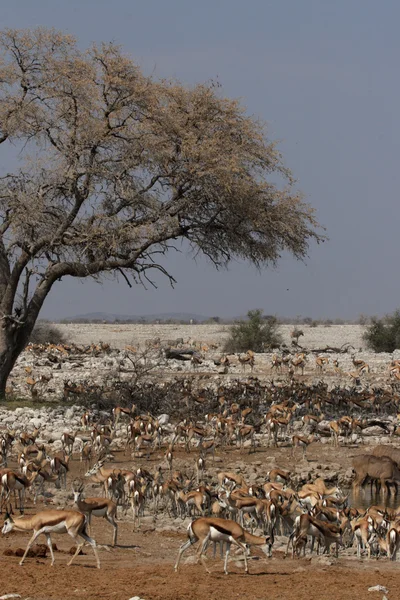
(324, 76)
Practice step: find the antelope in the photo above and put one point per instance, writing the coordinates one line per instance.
(86, 454)
(393, 541)
(360, 364)
(192, 431)
(53, 521)
(299, 362)
(303, 442)
(224, 476)
(102, 443)
(276, 362)
(60, 466)
(295, 334)
(97, 507)
(249, 505)
(320, 362)
(28, 438)
(222, 530)
(98, 474)
(247, 359)
(335, 431)
(279, 475)
(200, 468)
(187, 501)
(85, 420)
(320, 487)
(207, 446)
(246, 431)
(120, 410)
(41, 477)
(144, 440)
(169, 457)
(15, 482)
(311, 421)
(306, 525)
(276, 424)
(365, 534)
(137, 502)
(67, 441)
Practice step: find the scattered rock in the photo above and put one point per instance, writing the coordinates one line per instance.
(323, 560)
(163, 419)
(73, 550)
(37, 551)
(378, 588)
(69, 413)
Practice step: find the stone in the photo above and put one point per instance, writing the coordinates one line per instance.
(323, 560)
(378, 588)
(163, 419)
(69, 413)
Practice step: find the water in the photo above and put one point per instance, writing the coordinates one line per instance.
(366, 498)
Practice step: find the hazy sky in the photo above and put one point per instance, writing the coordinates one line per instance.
(325, 77)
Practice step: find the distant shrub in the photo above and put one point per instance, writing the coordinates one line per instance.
(257, 334)
(47, 333)
(383, 335)
(327, 322)
(363, 319)
(314, 323)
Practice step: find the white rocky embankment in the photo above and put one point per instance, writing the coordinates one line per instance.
(44, 376)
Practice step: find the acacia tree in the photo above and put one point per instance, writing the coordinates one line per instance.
(114, 167)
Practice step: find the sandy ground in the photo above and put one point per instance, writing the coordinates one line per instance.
(118, 336)
(142, 563)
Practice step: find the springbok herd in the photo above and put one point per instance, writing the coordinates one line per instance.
(224, 508)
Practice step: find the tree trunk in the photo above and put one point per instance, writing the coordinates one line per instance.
(12, 343)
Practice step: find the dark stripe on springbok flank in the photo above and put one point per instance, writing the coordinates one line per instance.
(221, 529)
(18, 478)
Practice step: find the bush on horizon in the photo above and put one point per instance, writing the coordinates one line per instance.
(46, 333)
(383, 335)
(258, 334)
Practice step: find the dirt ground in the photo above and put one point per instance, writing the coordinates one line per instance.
(142, 563)
(119, 335)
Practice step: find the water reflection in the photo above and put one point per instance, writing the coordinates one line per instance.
(366, 498)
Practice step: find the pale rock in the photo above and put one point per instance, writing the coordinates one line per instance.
(10, 419)
(163, 419)
(69, 413)
(378, 588)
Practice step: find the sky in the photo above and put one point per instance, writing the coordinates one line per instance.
(324, 76)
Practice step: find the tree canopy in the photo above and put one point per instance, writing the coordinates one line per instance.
(114, 167)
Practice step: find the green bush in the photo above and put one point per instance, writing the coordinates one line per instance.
(383, 335)
(258, 334)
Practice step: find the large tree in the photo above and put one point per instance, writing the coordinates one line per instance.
(113, 167)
